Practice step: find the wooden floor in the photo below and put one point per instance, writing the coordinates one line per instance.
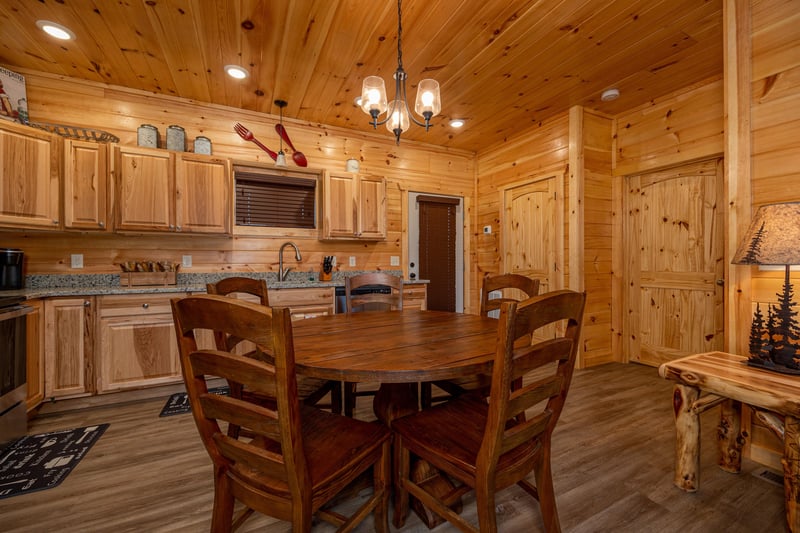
(612, 464)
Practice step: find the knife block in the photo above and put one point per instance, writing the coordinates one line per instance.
(324, 276)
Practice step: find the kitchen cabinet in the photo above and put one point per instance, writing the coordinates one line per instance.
(354, 207)
(164, 191)
(304, 302)
(34, 354)
(415, 296)
(29, 177)
(85, 185)
(69, 344)
(137, 346)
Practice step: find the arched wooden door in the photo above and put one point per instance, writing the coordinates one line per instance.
(674, 263)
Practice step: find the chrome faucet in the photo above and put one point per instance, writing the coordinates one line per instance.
(281, 272)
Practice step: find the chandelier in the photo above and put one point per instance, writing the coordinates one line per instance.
(398, 116)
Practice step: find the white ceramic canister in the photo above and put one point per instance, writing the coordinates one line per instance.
(147, 136)
(202, 145)
(176, 138)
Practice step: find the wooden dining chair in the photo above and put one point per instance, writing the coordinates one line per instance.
(513, 288)
(311, 390)
(298, 457)
(486, 446)
(372, 301)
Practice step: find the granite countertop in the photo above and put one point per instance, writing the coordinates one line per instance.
(53, 285)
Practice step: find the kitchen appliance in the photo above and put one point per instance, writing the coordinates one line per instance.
(341, 298)
(13, 389)
(11, 260)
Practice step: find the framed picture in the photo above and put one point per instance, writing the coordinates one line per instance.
(13, 99)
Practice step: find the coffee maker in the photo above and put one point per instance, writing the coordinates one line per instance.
(11, 260)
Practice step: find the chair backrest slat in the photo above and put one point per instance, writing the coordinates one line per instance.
(374, 301)
(514, 287)
(550, 363)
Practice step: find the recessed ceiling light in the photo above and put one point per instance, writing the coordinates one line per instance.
(456, 123)
(55, 30)
(609, 95)
(235, 71)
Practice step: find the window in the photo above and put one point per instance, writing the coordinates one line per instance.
(274, 198)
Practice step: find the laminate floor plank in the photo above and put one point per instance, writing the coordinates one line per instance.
(612, 467)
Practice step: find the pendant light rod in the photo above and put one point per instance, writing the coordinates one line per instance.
(398, 114)
(281, 159)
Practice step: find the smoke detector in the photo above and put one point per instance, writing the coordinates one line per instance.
(609, 95)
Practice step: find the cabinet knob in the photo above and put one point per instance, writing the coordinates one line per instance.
(87, 303)
(171, 226)
(145, 306)
(101, 224)
(55, 221)
(177, 228)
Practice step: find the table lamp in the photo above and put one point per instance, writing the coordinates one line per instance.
(773, 238)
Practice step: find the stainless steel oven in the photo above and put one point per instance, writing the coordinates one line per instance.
(13, 419)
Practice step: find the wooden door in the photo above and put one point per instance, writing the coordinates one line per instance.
(202, 194)
(69, 343)
(85, 185)
(674, 249)
(145, 189)
(533, 231)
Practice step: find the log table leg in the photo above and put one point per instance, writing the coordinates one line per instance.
(729, 436)
(687, 433)
(791, 472)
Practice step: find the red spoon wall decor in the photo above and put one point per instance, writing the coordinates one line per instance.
(298, 157)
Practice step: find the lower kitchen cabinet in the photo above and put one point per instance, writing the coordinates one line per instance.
(136, 342)
(304, 303)
(34, 362)
(68, 347)
(415, 296)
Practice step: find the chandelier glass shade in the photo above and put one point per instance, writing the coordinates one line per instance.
(398, 117)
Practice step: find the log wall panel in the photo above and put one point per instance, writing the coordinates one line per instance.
(409, 166)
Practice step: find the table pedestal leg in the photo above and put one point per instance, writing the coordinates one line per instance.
(729, 436)
(687, 433)
(791, 472)
(395, 400)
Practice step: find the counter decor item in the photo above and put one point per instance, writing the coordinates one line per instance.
(13, 99)
(147, 136)
(327, 268)
(148, 273)
(202, 145)
(352, 165)
(76, 132)
(176, 138)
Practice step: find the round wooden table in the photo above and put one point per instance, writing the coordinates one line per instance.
(397, 349)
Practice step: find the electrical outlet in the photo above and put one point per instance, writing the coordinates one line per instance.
(76, 260)
(186, 262)
(352, 260)
(487, 230)
(394, 260)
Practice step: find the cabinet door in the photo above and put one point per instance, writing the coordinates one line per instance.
(371, 208)
(69, 340)
(415, 296)
(85, 185)
(202, 194)
(144, 188)
(34, 366)
(29, 180)
(339, 206)
(137, 343)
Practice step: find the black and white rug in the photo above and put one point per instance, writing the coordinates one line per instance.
(178, 403)
(39, 462)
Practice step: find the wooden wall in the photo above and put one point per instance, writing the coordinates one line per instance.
(409, 166)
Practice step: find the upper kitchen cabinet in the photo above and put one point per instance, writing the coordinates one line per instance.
(29, 177)
(159, 190)
(85, 185)
(354, 207)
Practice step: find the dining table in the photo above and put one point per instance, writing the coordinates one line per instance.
(398, 349)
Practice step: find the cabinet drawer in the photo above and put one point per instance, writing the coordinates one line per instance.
(137, 304)
(322, 296)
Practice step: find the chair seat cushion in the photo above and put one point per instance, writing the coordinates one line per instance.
(450, 435)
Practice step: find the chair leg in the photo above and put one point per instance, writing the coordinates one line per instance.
(484, 501)
(544, 487)
(425, 394)
(402, 471)
(336, 397)
(349, 398)
(222, 515)
(382, 476)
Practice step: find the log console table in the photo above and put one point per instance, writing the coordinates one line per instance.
(717, 378)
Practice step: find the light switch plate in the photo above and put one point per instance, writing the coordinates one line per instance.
(394, 260)
(186, 261)
(76, 260)
(352, 260)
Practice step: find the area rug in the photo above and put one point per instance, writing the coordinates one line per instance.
(178, 403)
(39, 462)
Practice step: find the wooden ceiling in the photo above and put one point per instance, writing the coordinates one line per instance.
(503, 65)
